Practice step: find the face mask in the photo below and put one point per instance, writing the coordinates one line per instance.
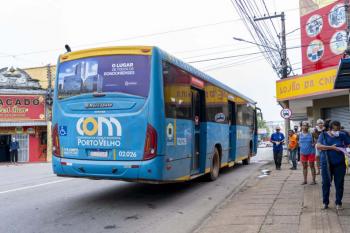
(335, 133)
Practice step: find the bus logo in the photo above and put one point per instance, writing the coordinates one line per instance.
(91, 126)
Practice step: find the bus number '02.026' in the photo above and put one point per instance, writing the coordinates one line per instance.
(127, 154)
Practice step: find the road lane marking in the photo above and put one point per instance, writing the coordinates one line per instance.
(34, 186)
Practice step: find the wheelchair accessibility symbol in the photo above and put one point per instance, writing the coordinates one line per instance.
(62, 130)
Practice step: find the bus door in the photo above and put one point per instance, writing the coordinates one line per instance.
(233, 130)
(198, 113)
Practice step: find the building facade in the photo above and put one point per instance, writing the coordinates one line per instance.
(25, 114)
(311, 95)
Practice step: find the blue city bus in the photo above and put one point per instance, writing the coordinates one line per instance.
(139, 114)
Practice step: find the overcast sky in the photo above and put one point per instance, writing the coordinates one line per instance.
(33, 33)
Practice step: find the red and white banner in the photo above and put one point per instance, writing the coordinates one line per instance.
(323, 35)
(15, 108)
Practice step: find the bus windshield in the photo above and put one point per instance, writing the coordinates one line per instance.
(129, 74)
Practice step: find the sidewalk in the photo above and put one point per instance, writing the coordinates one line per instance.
(279, 203)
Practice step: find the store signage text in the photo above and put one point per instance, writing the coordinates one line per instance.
(20, 108)
(306, 85)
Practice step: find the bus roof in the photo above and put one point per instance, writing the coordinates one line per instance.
(148, 50)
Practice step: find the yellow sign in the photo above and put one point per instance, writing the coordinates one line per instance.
(306, 85)
(181, 93)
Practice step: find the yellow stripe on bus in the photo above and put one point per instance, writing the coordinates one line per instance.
(184, 178)
(132, 50)
(231, 164)
(242, 158)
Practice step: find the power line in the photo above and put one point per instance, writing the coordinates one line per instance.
(131, 37)
(242, 62)
(220, 58)
(219, 52)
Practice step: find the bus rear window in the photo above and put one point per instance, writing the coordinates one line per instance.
(129, 74)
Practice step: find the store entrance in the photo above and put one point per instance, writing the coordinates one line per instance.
(4, 148)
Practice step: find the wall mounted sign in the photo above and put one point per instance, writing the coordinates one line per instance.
(286, 113)
(15, 108)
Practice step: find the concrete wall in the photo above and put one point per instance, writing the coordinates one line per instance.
(332, 102)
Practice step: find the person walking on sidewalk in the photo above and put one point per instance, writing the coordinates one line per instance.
(333, 162)
(293, 148)
(296, 131)
(14, 146)
(277, 139)
(307, 152)
(317, 131)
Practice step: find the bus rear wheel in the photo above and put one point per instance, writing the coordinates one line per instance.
(215, 166)
(246, 161)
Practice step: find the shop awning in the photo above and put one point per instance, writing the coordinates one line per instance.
(342, 80)
(23, 123)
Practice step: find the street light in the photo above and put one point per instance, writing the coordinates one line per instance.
(250, 42)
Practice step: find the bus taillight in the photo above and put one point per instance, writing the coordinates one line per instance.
(56, 150)
(150, 144)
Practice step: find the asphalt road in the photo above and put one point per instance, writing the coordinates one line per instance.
(32, 199)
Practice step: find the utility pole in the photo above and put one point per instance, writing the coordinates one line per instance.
(48, 101)
(283, 53)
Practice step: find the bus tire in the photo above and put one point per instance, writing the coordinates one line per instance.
(246, 161)
(215, 166)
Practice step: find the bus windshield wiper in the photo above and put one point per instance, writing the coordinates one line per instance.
(98, 94)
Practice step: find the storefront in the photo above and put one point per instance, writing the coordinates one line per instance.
(23, 116)
(311, 96)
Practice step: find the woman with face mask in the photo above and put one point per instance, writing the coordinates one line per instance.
(333, 162)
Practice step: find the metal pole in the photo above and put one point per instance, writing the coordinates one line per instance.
(284, 66)
(284, 48)
(347, 12)
(48, 115)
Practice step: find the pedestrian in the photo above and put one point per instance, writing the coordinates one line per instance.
(296, 131)
(333, 162)
(307, 152)
(316, 133)
(292, 148)
(14, 146)
(277, 140)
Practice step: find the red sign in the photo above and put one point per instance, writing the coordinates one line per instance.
(197, 82)
(323, 35)
(22, 108)
(286, 113)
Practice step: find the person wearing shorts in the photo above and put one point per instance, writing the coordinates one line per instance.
(307, 152)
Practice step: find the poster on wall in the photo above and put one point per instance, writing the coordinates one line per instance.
(15, 108)
(323, 35)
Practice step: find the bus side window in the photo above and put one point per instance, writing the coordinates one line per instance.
(177, 92)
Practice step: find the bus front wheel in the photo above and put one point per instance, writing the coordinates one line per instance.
(215, 166)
